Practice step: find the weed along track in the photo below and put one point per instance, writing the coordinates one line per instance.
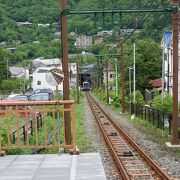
(130, 159)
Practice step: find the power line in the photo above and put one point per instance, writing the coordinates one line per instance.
(141, 22)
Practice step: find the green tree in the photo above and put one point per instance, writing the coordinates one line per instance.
(163, 103)
(3, 64)
(148, 62)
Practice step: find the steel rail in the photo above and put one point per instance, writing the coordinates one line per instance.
(162, 175)
(117, 160)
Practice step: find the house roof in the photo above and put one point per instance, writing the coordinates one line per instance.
(168, 38)
(155, 83)
(16, 71)
(42, 69)
(46, 62)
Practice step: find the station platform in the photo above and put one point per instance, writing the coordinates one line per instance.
(87, 166)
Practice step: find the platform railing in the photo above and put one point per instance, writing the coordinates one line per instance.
(34, 125)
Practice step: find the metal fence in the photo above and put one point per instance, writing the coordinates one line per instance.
(158, 118)
(29, 125)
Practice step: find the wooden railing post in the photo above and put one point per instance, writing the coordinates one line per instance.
(24, 134)
(74, 128)
(31, 127)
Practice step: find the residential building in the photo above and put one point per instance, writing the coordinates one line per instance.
(128, 31)
(41, 62)
(83, 41)
(111, 74)
(43, 25)
(19, 72)
(26, 24)
(155, 86)
(167, 63)
(57, 35)
(40, 74)
(39, 79)
(105, 33)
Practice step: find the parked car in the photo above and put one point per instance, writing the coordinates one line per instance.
(20, 98)
(10, 97)
(48, 90)
(40, 97)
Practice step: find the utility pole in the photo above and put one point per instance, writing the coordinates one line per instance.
(101, 70)
(168, 71)
(99, 77)
(134, 77)
(175, 139)
(64, 42)
(106, 90)
(116, 78)
(77, 82)
(130, 87)
(122, 78)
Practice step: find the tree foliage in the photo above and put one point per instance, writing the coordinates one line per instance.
(163, 103)
(148, 62)
(32, 42)
(3, 64)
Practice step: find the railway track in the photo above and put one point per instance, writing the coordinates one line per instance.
(132, 162)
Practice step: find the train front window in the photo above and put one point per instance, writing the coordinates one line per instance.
(86, 84)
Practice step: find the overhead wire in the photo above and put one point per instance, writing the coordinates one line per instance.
(147, 43)
(141, 22)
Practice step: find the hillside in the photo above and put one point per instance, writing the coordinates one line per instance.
(153, 23)
(47, 12)
(36, 38)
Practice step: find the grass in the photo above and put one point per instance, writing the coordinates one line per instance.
(83, 142)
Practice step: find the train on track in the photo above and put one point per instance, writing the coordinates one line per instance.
(86, 86)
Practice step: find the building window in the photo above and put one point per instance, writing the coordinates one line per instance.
(111, 75)
(38, 82)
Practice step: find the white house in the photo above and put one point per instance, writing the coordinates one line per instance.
(39, 79)
(167, 63)
(41, 62)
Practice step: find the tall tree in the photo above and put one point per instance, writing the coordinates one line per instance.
(4, 72)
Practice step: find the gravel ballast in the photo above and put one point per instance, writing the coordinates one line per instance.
(153, 149)
(98, 144)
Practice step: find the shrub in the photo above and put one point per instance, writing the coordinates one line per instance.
(163, 103)
(139, 98)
